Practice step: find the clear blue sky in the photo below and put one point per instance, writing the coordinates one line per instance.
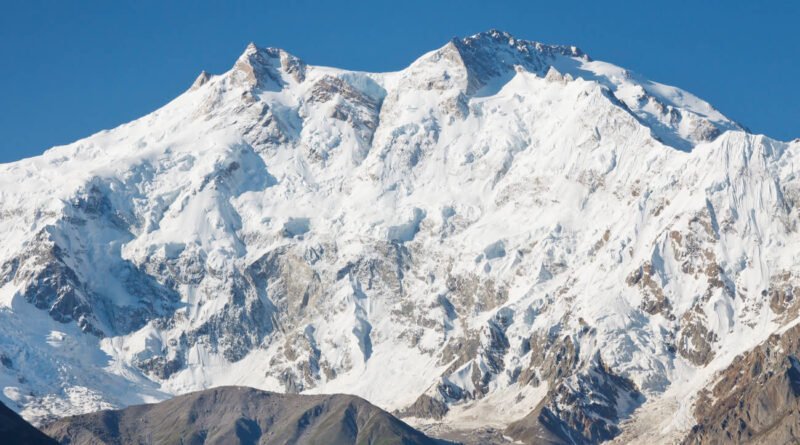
(69, 69)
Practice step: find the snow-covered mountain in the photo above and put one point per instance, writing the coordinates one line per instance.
(504, 234)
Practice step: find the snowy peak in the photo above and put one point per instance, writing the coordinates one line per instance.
(201, 80)
(494, 39)
(480, 65)
(266, 68)
(494, 55)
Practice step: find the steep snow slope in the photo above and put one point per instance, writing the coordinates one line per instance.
(502, 227)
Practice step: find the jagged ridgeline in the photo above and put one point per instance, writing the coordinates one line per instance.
(504, 236)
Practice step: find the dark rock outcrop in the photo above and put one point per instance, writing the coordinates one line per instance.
(237, 415)
(15, 430)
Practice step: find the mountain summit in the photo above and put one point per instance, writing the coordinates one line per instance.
(503, 235)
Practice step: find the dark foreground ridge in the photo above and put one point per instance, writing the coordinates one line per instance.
(15, 430)
(237, 415)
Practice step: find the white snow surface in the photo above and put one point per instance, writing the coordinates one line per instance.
(543, 177)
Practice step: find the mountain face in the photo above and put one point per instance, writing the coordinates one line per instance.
(503, 235)
(15, 430)
(241, 416)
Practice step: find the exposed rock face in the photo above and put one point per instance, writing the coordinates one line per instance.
(583, 408)
(15, 430)
(495, 54)
(783, 293)
(240, 416)
(50, 275)
(755, 400)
